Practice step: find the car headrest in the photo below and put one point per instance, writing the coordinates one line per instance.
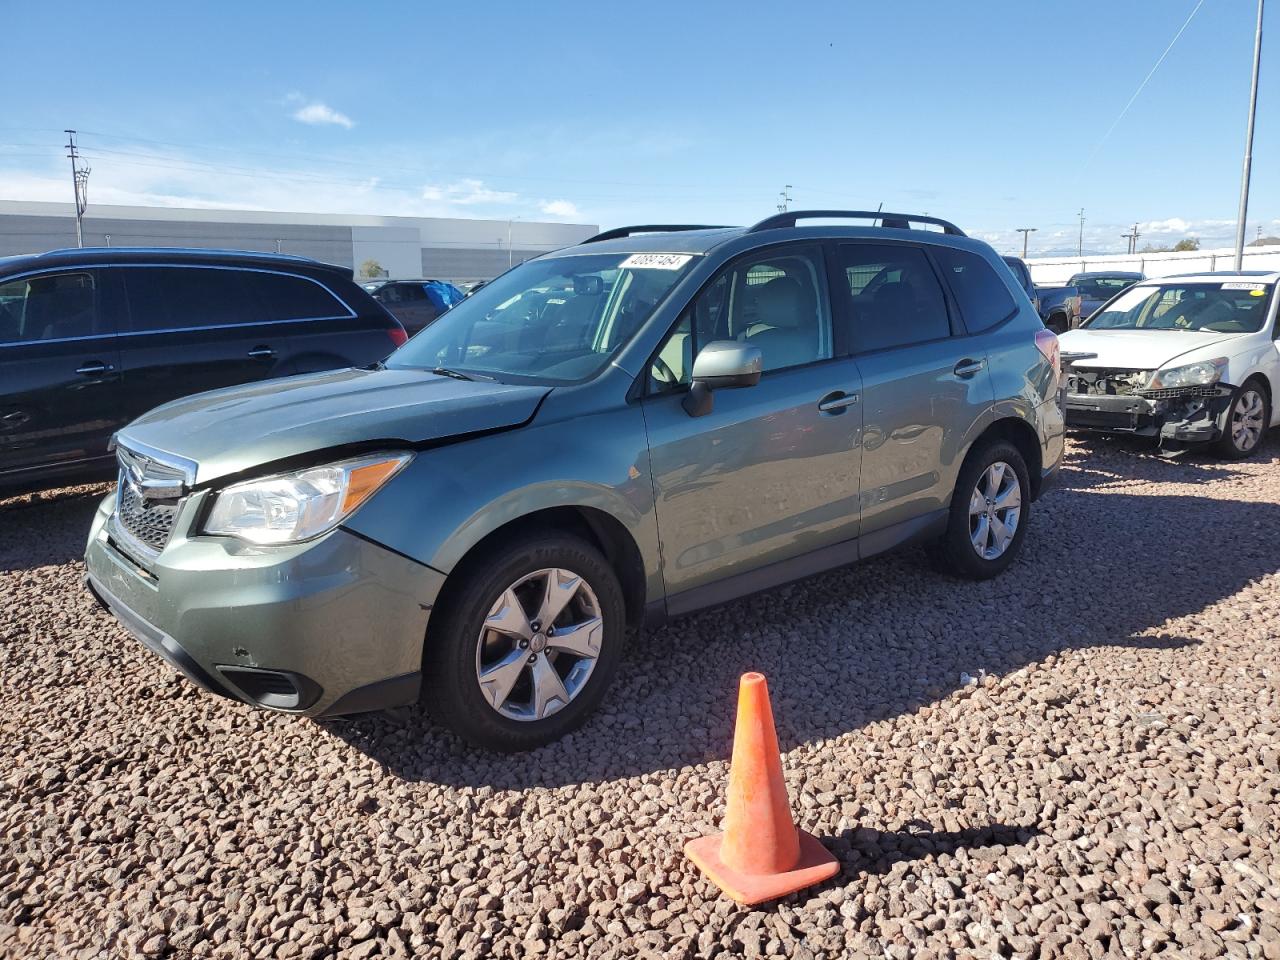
(781, 303)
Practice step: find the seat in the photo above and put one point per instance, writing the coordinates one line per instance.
(786, 327)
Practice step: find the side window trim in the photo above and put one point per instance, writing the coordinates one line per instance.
(95, 268)
(954, 323)
(816, 249)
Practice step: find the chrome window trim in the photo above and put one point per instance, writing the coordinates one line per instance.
(350, 315)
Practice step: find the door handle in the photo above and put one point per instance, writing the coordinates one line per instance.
(968, 367)
(837, 402)
(94, 368)
(262, 353)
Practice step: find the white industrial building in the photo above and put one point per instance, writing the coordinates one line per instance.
(442, 248)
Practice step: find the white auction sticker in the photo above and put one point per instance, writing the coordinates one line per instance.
(1237, 285)
(655, 261)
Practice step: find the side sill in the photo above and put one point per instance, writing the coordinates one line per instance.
(925, 527)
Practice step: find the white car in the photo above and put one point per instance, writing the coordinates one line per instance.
(1190, 359)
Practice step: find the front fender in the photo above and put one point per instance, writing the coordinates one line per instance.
(452, 497)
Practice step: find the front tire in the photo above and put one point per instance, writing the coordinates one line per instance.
(498, 675)
(1248, 417)
(989, 512)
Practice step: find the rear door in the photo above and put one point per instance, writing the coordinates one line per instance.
(194, 328)
(324, 330)
(925, 383)
(59, 372)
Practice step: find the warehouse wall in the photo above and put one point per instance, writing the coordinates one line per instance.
(462, 264)
(35, 234)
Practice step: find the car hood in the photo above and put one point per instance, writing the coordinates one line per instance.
(238, 428)
(1142, 349)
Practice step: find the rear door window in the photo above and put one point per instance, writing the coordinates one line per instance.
(892, 296)
(59, 306)
(983, 297)
(185, 298)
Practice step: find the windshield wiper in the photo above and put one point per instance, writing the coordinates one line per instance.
(446, 372)
(459, 375)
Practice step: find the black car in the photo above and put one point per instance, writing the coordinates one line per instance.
(92, 338)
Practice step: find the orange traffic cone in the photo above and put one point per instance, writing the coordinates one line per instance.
(761, 855)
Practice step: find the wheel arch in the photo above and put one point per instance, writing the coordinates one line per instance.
(1025, 440)
(597, 527)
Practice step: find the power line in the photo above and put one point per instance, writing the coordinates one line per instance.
(1142, 86)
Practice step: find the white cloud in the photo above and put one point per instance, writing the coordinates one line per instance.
(560, 208)
(321, 114)
(467, 192)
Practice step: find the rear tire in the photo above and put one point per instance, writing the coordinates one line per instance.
(978, 544)
(1247, 421)
(496, 675)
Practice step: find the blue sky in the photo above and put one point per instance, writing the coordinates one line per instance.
(992, 114)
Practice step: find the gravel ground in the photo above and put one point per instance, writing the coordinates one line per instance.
(1079, 758)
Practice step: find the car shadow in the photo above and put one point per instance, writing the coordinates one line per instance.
(876, 640)
(1098, 460)
(47, 528)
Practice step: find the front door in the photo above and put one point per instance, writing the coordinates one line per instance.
(771, 473)
(59, 374)
(925, 384)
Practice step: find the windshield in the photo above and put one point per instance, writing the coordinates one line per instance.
(557, 320)
(1100, 288)
(1227, 307)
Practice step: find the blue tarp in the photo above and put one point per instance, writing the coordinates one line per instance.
(442, 295)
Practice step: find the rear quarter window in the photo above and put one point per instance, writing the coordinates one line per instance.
(287, 297)
(984, 299)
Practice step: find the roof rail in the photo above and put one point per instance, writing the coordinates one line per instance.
(617, 232)
(901, 221)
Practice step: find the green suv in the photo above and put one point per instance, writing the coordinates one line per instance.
(660, 419)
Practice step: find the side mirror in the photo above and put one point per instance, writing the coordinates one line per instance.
(721, 365)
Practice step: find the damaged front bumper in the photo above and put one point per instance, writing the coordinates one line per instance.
(1178, 414)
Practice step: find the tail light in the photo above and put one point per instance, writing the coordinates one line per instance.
(397, 335)
(1047, 344)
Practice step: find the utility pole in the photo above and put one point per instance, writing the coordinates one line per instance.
(1248, 142)
(79, 185)
(1132, 237)
(1026, 232)
(509, 248)
(1080, 242)
(784, 198)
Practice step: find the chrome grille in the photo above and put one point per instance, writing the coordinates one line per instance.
(147, 498)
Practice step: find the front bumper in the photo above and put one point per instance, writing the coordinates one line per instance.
(323, 628)
(1196, 416)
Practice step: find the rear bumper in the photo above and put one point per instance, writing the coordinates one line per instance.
(1186, 419)
(329, 627)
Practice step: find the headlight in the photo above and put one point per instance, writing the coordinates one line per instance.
(1191, 375)
(298, 506)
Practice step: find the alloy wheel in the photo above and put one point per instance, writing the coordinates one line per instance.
(539, 644)
(994, 509)
(1246, 420)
